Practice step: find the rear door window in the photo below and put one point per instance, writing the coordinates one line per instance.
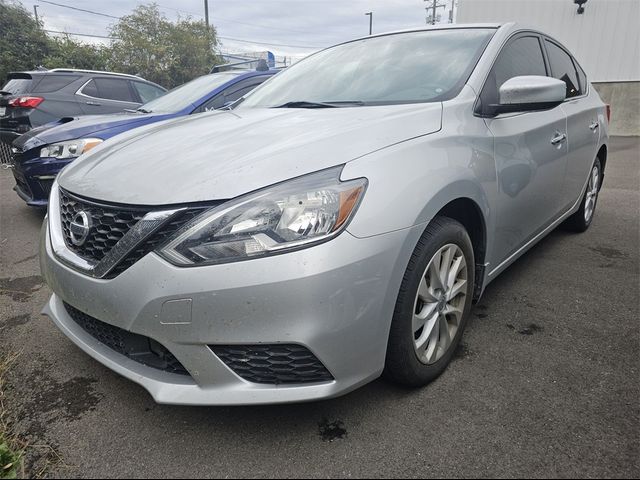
(582, 77)
(53, 83)
(109, 89)
(562, 68)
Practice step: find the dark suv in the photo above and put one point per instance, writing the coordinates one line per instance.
(31, 99)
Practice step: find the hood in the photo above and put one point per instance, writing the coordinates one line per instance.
(224, 154)
(70, 128)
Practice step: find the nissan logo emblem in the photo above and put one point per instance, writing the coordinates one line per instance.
(79, 228)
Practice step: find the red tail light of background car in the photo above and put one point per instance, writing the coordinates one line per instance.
(25, 102)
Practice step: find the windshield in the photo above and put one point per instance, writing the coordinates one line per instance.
(422, 66)
(189, 93)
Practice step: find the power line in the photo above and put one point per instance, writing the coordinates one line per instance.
(224, 38)
(79, 9)
(217, 18)
(119, 18)
(80, 34)
(267, 43)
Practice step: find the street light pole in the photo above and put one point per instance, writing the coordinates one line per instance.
(35, 12)
(206, 12)
(370, 14)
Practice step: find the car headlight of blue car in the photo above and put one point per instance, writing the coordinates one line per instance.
(70, 148)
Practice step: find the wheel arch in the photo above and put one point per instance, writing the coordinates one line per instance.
(602, 155)
(469, 214)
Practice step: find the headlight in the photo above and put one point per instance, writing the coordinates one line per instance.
(70, 148)
(284, 217)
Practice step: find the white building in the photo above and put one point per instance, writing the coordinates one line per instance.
(605, 39)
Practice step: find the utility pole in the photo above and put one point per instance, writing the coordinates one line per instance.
(206, 12)
(35, 12)
(370, 14)
(434, 6)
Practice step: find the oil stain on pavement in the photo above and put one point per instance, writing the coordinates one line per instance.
(20, 289)
(15, 321)
(331, 431)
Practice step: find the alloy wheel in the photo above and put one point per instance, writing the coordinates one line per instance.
(592, 193)
(440, 303)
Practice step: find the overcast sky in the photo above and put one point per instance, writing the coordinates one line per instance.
(287, 27)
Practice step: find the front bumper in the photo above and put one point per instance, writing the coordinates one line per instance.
(35, 176)
(336, 299)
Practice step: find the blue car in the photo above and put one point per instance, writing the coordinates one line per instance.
(39, 155)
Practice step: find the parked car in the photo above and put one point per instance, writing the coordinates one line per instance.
(31, 99)
(338, 223)
(40, 154)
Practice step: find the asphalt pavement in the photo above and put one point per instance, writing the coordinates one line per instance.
(546, 382)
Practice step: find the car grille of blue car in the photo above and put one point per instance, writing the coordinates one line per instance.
(6, 157)
(139, 348)
(273, 364)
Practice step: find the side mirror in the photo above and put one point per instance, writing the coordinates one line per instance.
(530, 93)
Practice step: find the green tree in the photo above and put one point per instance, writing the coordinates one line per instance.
(65, 52)
(145, 43)
(23, 44)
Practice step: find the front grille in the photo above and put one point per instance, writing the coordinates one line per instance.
(21, 183)
(139, 348)
(273, 364)
(46, 185)
(6, 157)
(109, 225)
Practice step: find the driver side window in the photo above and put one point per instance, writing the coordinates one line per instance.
(521, 56)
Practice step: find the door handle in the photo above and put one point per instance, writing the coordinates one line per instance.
(594, 126)
(94, 104)
(560, 137)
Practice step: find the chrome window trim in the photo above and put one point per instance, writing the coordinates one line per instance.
(142, 230)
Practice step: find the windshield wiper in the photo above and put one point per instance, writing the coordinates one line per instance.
(336, 104)
(333, 104)
(143, 110)
(305, 104)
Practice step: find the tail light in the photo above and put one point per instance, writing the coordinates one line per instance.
(25, 102)
(608, 113)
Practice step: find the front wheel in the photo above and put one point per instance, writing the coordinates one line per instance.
(580, 221)
(433, 304)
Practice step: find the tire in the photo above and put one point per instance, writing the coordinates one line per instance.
(408, 362)
(581, 220)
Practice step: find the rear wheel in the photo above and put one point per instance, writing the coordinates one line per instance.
(581, 220)
(433, 304)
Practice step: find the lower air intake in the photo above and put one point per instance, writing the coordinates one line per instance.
(139, 348)
(273, 364)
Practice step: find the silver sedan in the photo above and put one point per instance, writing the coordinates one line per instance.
(335, 224)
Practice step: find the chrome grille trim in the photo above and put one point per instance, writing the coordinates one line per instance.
(150, 223)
